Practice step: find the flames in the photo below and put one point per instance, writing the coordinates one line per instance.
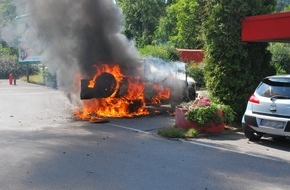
(162, 93)
(127, 100)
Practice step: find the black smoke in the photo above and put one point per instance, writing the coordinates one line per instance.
(78, 34)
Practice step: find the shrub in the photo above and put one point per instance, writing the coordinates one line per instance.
(165, 52)
(191, 133)
(204, 115)
(171, 132)
(202, 112)
(196, 71)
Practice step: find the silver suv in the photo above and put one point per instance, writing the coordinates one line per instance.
(268, 109)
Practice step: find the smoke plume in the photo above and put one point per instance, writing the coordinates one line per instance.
(75, 35)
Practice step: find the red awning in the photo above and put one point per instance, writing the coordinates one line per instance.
(191, 55)
(267, 28)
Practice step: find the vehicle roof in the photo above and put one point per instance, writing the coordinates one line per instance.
(279, 76)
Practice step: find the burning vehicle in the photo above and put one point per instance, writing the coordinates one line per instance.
(97, 67)
(171, 76)
(110, 93)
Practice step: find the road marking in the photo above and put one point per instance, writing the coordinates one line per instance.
(204, 145)
(128, 128)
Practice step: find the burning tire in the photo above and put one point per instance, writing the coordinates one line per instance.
(104, 86)
(114, 94)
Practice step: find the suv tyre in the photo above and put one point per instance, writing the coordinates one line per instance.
(252, 135)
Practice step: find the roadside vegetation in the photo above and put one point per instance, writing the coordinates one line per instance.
(36, 78)
(173, 132)
(9, 63)
(164, 51)
(280, 57)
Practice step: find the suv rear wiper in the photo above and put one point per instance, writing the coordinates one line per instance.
(279, 97)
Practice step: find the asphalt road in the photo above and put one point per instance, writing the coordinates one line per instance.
(43, 147)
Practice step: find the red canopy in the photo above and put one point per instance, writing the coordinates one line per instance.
(267, 28)
(191, 55)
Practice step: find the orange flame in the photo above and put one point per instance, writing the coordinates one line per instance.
(163, 93)
(131, 102)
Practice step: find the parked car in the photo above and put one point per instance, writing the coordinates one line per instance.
(268, 109)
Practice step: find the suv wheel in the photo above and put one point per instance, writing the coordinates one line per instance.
(252, 135)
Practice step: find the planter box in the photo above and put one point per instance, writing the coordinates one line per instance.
(181, 122)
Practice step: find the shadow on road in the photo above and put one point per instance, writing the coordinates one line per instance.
(277, 143)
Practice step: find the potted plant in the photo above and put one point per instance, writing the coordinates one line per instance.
(203, 115)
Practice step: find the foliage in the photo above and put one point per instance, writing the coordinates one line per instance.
(190, 133)
(18, 70)
(203, 112)
(167, 26)
(180, 25)
(233, 68)
(196, 71)
(165, 52)
(228, 114)
(287, 9)
(7, 12)
(9, 63)
(204, 115)
(282, 5)
(171, 132)
(36, 79)
(7, 67)
(141, 19)
(7, 52)
(280, 57)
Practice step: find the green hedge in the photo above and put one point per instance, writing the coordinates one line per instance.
(234, 68)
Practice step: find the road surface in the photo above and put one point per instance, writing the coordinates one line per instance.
(43, 147)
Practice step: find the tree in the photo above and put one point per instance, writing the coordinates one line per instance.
(141, 19)
(281, 53)
(187, 25)
(281, 4)
(163, 51)
(8, 54)
(233, 68)
(286, 9)
(180, 26)
(170, 1)
(7, 12)
(9, 63)
(280, 57)
(167, 26)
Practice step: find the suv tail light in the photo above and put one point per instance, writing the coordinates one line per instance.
(254, 99)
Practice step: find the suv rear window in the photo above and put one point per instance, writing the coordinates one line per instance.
(270, 87)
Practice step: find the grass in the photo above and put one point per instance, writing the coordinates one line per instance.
(173, 132)
(37, 79)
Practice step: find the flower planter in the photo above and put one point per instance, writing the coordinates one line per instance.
(181, 122)
(214, 128)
